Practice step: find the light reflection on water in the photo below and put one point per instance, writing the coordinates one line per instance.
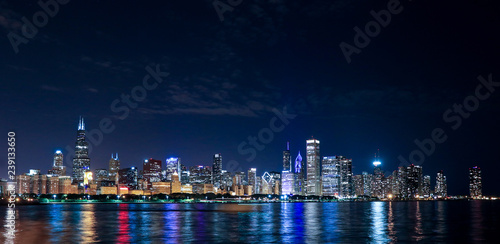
(377, 222)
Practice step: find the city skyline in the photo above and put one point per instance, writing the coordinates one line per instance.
(328, 175)
(221, 82)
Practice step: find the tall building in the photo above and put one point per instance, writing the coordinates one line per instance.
(81, 160)
(184, 175)
(426, 186)
(475, 182)
(128, 177)
(346, 184)
(176, 183)
(101, 175)
(58, 168)
(226, 180)
(414, 181)
(287, 182)
(172, 165)
(313, 168)
(217, 170)
(252, 180)
(299, 176)
(330, 168)
(367, 183)
(200, 174)
(114, 167)
(358, 185)
(151, 171)
(287, 160)
(441, 188)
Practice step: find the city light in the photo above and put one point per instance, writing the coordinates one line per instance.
(377, 163)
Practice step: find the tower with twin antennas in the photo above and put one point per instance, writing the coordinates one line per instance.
(114, 167)
(81, 160)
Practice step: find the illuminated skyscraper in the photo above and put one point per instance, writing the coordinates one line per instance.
(151, 169)
(426, 186)
(287, 182)
(414, 181)
(252, 179)
(171, 165)
(114, 167)
(200, 174)
(367, 183)
(81, 160)
(217, 170)
(58, 169)
(101, 175)
(441, 187)
(313, 168)
(331, 176)
(475, 182)
(300, 176)
(128, 177)
(287, 160)
(346, 184)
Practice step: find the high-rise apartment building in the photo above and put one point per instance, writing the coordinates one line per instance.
(440, 191)
(475, 182)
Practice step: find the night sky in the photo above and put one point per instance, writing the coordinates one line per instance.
(226, 77)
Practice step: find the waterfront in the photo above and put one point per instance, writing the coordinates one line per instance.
(436, 221)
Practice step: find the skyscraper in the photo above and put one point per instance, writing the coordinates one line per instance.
(299, 176)
(252, 179)
(475, 182)
(128, 177)
(217, 170)
(287, 183)
(367, 183)
(426, 186)
(58, 169)
(346, 183)
(331, 176)
(200, 174)
(114, 167)
(441, 187)
(151, 169)
(172, 165)
(81, 160)
(287, 160)
(313, 168)
(414, 180)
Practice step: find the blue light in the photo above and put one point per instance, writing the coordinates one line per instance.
(377, 163)
(58, 152)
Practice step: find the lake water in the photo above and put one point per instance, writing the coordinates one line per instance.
(342, 222)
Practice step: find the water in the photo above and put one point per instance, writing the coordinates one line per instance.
(378, 222)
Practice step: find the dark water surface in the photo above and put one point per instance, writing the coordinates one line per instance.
(343, 222)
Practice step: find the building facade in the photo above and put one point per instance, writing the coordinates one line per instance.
(313, 167)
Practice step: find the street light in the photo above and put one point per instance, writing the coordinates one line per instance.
(54, 197)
